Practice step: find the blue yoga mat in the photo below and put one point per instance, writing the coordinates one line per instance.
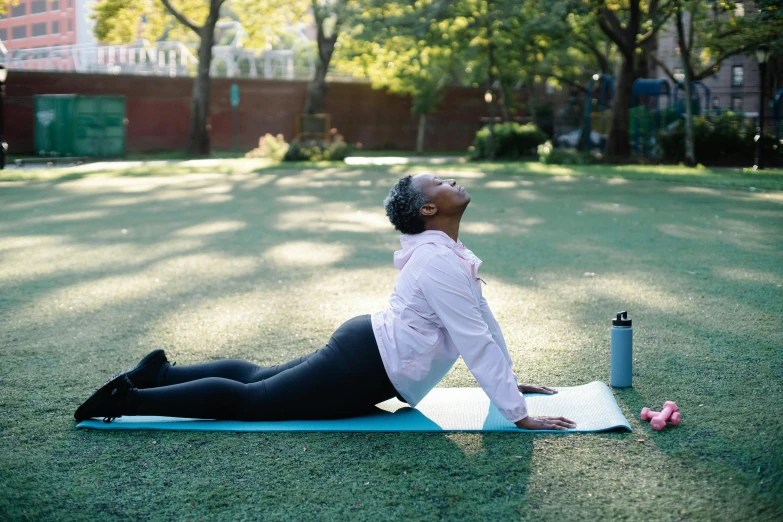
(592, 406)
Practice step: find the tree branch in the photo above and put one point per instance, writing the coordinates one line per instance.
(608, 28)
(690, 26)
(568, 81)
(654, 30)
(666, 70)
(608, 16)
(181, 18)
(603, 60)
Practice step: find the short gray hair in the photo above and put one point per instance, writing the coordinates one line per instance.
(403, 204)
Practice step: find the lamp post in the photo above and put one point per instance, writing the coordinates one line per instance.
(3, 144)
(762, 55)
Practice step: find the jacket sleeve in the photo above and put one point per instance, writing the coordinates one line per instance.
(494, 329)
(447, 290)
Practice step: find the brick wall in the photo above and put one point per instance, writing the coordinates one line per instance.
(158, 111)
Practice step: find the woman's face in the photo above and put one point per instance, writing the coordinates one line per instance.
(444, 194)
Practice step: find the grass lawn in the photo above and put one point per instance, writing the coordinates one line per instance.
(169, 165)
(261, 262)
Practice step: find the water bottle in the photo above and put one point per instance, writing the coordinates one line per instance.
(621, 373)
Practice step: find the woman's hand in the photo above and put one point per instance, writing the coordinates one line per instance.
(545, 423)
(532, 388)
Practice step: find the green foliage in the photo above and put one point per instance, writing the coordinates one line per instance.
(511, 141)
(550, 155)
(272, 147)
(727, 139)
(319, 150)
(400, 47)
(267, 23)
(120, 21)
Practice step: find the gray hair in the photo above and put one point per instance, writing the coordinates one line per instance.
(403, 204)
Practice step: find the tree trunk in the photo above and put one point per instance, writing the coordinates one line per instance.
(690, 154)
(198, 138)
(317, 88)
(618, 144)
(420, 135)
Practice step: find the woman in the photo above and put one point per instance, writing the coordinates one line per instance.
(436, 314)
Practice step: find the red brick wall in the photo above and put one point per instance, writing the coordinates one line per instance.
(158, 110)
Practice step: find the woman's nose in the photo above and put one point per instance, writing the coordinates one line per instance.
(453, 182)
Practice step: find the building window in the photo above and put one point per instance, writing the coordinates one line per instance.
(18, 32)
(736, 104)
(3, 34)
(716, 103)
(18, 10)
(56, 27)
(38, 29)
(37, 6)
(70, 25)
(737, 76)
(739, 9)
(55, 5)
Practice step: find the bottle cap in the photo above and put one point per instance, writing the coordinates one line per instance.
(621, 319)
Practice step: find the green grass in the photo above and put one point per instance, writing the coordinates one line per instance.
(98, 269)
(770, 179)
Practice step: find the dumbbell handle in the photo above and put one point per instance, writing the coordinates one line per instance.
(666, 412)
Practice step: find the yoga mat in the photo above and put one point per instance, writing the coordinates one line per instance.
(592, 406)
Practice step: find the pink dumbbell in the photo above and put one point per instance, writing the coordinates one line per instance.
(658, 419)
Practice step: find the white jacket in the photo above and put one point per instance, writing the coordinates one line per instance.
(437, 313)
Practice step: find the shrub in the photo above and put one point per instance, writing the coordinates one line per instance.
(273, 147)
(512, 141)
(727, 139)
(319, 150)
(551, 155)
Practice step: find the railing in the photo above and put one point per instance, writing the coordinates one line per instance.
(162, 59)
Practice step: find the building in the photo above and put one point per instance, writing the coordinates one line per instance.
(737, 84)
(35, 24)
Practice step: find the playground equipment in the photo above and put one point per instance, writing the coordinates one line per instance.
(696, 98)
(647, 115)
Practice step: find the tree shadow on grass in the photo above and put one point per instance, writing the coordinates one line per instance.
(54, 356)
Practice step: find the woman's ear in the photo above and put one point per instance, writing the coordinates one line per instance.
(428, 210)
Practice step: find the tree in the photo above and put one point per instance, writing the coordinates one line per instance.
(572, 46)
(496, 36)
(120, 21)
(623, 22)
(330, 18)
(400, 47)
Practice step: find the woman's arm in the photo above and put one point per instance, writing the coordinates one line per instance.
(494, 329)
(447, 290)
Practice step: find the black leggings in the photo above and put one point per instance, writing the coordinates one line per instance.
(345, 378)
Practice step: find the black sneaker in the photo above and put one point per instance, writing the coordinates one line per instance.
(149, 371)
(109, 401)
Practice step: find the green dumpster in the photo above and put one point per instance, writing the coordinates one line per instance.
(73, 125)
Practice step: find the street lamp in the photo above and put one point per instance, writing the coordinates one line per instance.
(3, 144)
(762, 55)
